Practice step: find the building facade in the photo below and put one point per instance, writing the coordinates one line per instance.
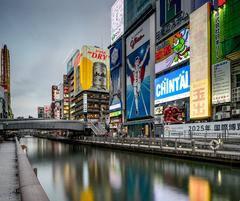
(40, 111)
(5, 78)
(91, 84)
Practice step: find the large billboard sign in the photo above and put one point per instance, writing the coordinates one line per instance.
(221, 82)
(200, 93)
(115, 76)
(173, 86)
(228, 129)
(70, 63)
(91, 70)
(134, 9)
(138, 72)
(173, 50)
(117, 20)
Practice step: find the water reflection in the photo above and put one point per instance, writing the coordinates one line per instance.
(85, 173)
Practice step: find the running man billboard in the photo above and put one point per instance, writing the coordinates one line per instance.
(139, 68)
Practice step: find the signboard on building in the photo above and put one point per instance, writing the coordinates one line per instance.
(221, 82)
(70, 62)
(85, 105)
(134, 9)
(229, 129)
(115, 76)
(91, 70)
(115, 114)
(200, 93)
(173, 86)
(117, 20)
(138, 71)
(173, 50)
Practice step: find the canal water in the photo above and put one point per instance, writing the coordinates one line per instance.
(84, 173)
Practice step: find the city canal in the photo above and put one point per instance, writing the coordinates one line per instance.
(83, 173)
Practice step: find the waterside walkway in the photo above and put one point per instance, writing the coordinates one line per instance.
(9, 181)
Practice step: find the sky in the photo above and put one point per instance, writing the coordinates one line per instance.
(40, 35)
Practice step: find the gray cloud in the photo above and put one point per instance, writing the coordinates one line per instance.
(39, 35)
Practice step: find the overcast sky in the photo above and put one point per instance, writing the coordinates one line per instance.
(40, 35)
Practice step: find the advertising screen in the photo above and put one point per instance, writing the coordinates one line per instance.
(70, 63)
(134, 9)
(200, 93)
(221, 82)
(173, 86)
(172, 51)
(138, 72)
(117, 20)
(91, 70)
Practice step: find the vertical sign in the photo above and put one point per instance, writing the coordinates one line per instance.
(200, 95)
(117, 20)
(85, 103)
(139, 70)
(221, 82)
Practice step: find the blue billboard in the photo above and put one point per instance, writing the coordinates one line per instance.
(116, 55)
(115, 76)
(173, 86)
(138, 72)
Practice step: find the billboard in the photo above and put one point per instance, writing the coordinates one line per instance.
(221, 82)
(228, 129)
(55, 93)
(133, 9)
(173, 86)
(173, 50)
(117, 20)
(139, 69)
(91, 70)
(115, 76)
(200, 94)
(70, 63)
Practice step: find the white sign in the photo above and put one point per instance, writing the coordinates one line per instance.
(229, 129)
(117, 20)
(221, 82)
(84, 102)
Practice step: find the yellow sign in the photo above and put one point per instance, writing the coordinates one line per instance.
(200, 94)
(92, 71)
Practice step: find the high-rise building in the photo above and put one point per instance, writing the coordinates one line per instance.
(64, 98)
(5, 76)
(70, 83)
(91, 84)
(40, 112)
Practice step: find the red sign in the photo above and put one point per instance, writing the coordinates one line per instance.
(221, 2)
(98, 54)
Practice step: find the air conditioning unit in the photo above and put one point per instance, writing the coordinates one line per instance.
(218, 117)
(226, 108)
(236, 112)
(226, 115)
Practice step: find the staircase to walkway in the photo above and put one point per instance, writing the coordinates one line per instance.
(97, 128)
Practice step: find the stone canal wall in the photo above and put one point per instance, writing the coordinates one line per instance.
(189, 149)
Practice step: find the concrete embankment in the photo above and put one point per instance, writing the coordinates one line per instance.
(29, 186)
(9, 182)
(162, 148)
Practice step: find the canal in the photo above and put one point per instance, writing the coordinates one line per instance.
(83, 173)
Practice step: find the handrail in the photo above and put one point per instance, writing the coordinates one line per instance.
(29, 185)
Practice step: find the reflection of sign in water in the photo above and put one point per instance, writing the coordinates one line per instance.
(199, 189)
(172, 51)
(173, 86)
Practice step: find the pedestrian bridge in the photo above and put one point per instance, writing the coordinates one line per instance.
(41, 124)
